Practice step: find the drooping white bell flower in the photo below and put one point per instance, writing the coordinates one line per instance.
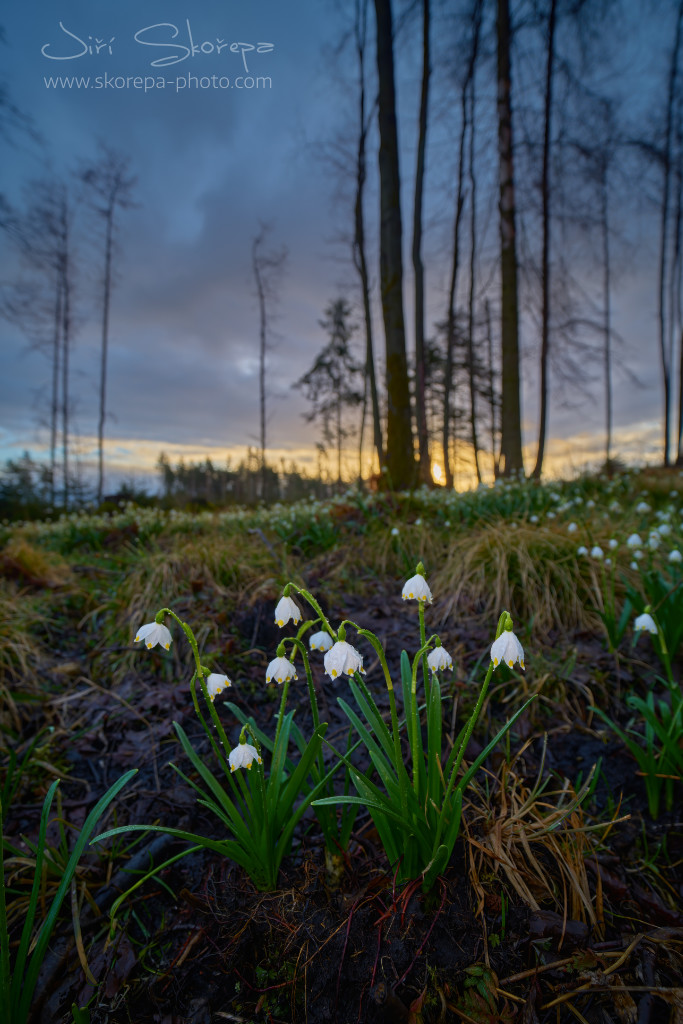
(342, 657)
(572, 528)
(645, 621)
(215, 684)
(280, 670)
(320, 641)
(642, 507)
(243, 756)
(675, 556)
(153, 633)
(634, 541)
(287, 609)
(438, 659)
(614, 544)
(416, 589)
(583, 550)
(597, 552)
(508, 649)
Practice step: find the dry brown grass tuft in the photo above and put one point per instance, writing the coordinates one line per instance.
(531, 571)
(33, 565)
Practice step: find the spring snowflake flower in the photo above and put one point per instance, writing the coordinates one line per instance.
(653, 541)
(394, 531)
(243, 756)
(533, 519)
(153, 633)
(215, 684)
(645, 621)
(614, 544)
(634, 541)
(635, 566)
(342, 657)
(642, 507)
(675, 556)
(507, 648)
(597, 552)
(417, 589)
(583, 550)
(572, 528)
(287, 609)
(663, 529)
(438, 659)
(320, 641)
(280, 670)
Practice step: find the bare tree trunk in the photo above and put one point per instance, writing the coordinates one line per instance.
(607, 324)
(359, 256)
(263, 323)
(665, 353)
(424, 466)
(511, 428)
(473, 261)
(545, 255)
(452, 288)
(492, 389)
(105, 343)
(54, 408)
(400, 458)
(65, 268)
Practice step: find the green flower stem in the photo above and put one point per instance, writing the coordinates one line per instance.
(314, 604)
(461, 753)
(199, 674)
(309, 679)
(423, 642)
(400, 768)
(281, 713)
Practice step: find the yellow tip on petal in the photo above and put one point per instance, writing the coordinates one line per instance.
(233, 767)
(334, 672)
(495, 662)
(248, 765)
(137, 640)
(167, 646)
(280, 622)
(149, 647)
(260, 760)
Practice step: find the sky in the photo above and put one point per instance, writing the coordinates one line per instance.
(227, 112)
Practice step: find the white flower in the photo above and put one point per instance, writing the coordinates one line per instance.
(634, 565)
(243, 756)
(608, 561)
(613, 544)
(634, 541)
(583, 550)
(675, 556)
(572, 528)
(653, 542)
(645, 621)
(642, 507)
(507, 648)
(281, 670)
(216, 683)
(590, 504)
(320, 641)
(153, 633)
(533, 519)
(342, 657)
(287, 609)
(416, 589)
(438, 658)
(663, 529)
(597, 552)
(639, 554)
(394, 531)
(418, 522)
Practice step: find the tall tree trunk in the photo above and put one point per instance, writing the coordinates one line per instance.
(400, 457)
(66, 342)
(452, 288)
(511, 428)
(109, 224)
(607, 323)
(424, 468)
(545, 255)
(359, 256)
(665, 353)
(54, 407)
(492, 389)
(472, 370)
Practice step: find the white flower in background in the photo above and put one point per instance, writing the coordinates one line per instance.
(634, 541)
(216, 683)
(533, 519)
(635, 566)
(590, 504)
(642, 507)
(287, 609)
(394, 531)
(243, 756)
(663, 529)
(551, 515)
(583, 550)
(416, 589)
(153, 633)
(608, 561)
(572, 528)
(639, 554)
(418, 522)
(507, 648)
(280, 670)
(645, 621)
(342, 657)
(597, 552)
(614, 544)
(320, 641)
(615, 507)
(653, 542)
(675, 556)
(438, 658)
